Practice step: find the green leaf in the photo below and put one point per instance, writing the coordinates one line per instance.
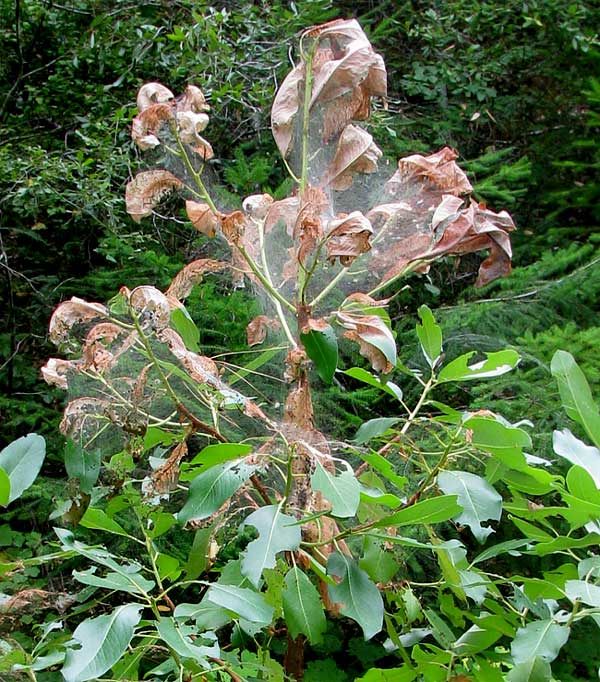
(388, 387)
(509, 546)
(430, 336)
(357, 596)
(22, 461)
(103, 641)
(197, 561)
(575, 394)
(99, 520)
(302, 607)
(476, 496)
(187, 642)
(474, 640)
(243, 602)
(494, 365)
(575, 451)
(182, 323)
(219, 453)
(211, 488)
(534, 669)
(379, 564)
(580, 590)
(403, 674)
(4, 488)
(84, 465)
(543, 638)
(373, 429)
(133, 582)
(341, 490)
(504, 442)
(253, 365)
(435, 510)
(322, 348)
(277, 532)
(385, 468)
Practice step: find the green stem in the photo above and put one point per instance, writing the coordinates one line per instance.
(306, 117)
(273, 293)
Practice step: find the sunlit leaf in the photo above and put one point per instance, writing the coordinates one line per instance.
(435, 510)
(22, 461)
(103, 641)
(187, 642)
(277, 532)
(241, 601)
(494, 365)
(98, 519)
(576, 395)
(341, 490)
(477, 497)
(543, 638)
(535, 669)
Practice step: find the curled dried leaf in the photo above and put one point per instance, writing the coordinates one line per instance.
(146, 125)
(346, 74)
(70, 313)
(356, 153)
(190, 125)
(233, 226)
(374, 337)
(152, 93)
(146, 190)
(82, 415)
(192, 274)
(348, 237)
(200, 368)
(202, 217)
(55, 372)
(256, 331)
(192, 100)
(165, 478)
(257, 205)
(151, 306)
(439, 169)
(308, 228)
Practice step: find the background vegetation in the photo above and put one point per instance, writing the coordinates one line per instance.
(507, 84)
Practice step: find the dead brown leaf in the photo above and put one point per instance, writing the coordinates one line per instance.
(256, 331)
(146, 190)
(185, 280)
(355, 153)
(348, 237)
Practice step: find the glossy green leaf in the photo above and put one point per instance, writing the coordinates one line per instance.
(97, 519)
(479, 500)
(255, 364)
(507, 547)
(580, 590)
(435, 510)
(322, 348)
(430, 336)
(218, 453)
(403, 674)
(341, 490)
(535, 669)
(103, 641)
(302, 607)
(83, 465)
(186, 642)
(569, 447)
(22, 461)
(388, 387)
(277, 532)
(575, 394)
(504, 442)
(494, 365)
(383, 466)
(133, 582)
(211, 488)
(182, 323)
(4, 488)
(357, 596)
(543, 638)
(474, 640)
(373, 429)
(243, 602)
